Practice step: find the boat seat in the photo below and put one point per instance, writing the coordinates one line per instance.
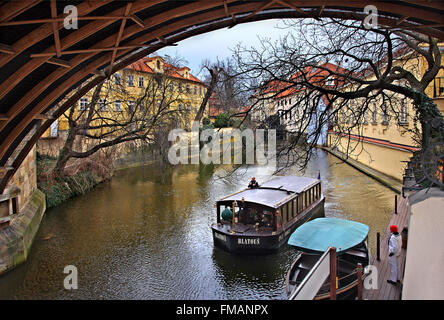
(357, 253)
(294, 277)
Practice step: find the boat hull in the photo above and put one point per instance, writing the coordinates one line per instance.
(345, 291)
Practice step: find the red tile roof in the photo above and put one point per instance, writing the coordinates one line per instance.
(142, 66)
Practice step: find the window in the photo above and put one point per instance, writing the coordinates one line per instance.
(117, 78)
(131, 106)
(118, 105)
(284, 213)
(188, 107)
(102, 105)
(195, 90)
(329, 81)
(438, 87)
(374, 114)
(404, 112)
(180, 87)
(200, 91)
(195, 109)
(131, 80)
(180, 107)
(141, 84)
(158, 65)
(171, 86)
(188, 88)
(83, 103)
(365, 116)
(385, 116)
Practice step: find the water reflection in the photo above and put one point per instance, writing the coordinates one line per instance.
(145, 235)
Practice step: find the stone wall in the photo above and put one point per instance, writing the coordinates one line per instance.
(25, 178)
(17, 237)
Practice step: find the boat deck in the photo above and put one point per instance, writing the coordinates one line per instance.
(244, 230)
(387, 291)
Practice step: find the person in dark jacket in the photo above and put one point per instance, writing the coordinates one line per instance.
(253, 183)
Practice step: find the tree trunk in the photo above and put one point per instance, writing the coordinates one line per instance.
(214, 78)
(65, 153)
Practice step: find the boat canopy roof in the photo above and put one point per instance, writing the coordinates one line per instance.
(320, 234)
(274, 192)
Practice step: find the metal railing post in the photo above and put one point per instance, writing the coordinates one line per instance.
(359, 281)
(378, 246)
(333, 273)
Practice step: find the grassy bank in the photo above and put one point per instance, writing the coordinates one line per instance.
(60, 189)
(67, 187)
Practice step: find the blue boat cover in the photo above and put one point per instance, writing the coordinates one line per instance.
(319, 234)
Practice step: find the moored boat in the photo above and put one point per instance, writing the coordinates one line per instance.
(314, 238)
(265, 216)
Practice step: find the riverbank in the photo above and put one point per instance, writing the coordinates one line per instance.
(388, 181)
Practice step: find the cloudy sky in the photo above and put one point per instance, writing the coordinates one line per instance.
(217, 44)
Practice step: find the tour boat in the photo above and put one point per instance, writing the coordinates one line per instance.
(265, 216)
(314, 238)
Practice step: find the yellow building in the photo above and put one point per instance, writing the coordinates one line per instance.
(159, 81)
(384, 137)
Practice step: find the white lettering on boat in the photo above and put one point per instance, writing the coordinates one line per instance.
(220, 236)
(254, 241)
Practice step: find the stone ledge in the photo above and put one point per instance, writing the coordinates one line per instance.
(382, 178)
(16, 239)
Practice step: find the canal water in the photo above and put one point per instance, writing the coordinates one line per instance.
(146, 235)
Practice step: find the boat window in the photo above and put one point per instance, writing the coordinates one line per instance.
(267, 221)
(290, 210)
(284, 213)
(279, 221)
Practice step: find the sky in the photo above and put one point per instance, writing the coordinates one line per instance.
(217, 44)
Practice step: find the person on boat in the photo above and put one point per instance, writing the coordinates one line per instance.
(227, 214)
(242, 215)
(395, 243)
(253, 183)
(267, 219)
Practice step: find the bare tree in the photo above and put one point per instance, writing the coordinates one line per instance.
(351, 69)
(114, 116)
(222, 86)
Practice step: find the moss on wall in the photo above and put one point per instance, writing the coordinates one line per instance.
(19, 235)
